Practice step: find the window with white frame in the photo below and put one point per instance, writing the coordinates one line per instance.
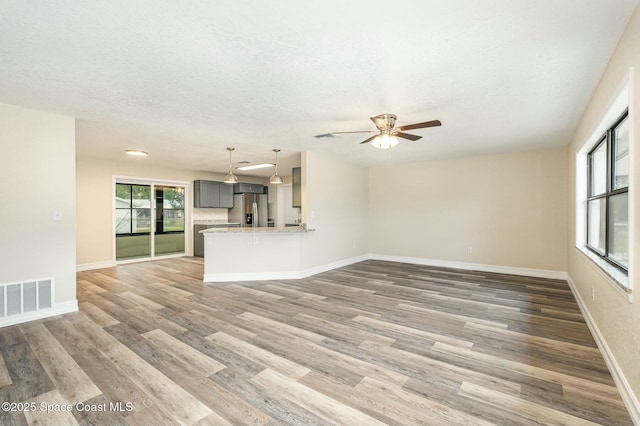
(608, 195)
(604, 176)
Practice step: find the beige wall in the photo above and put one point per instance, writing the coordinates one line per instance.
(617, 320)
(37, 170)
(335, 202)
(95, 201)
(510, 209)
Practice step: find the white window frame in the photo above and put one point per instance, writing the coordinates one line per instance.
(622, 282)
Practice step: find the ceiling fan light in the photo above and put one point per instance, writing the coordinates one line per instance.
(385, 141)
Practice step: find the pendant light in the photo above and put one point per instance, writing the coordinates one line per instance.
(276, 179)
(230, 178)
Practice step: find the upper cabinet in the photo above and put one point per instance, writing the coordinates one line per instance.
(211, 194)
(252, 188)
(296, 187)
(226, 195)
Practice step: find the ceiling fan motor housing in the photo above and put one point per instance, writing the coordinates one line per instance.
(389, 121)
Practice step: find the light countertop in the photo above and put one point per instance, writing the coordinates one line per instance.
(214, 222)
(260, 230)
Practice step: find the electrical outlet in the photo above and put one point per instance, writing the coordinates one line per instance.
(255, 240)
(593, 293)
(469, 249)
(57, 215)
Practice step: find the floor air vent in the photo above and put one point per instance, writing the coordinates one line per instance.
(25, 298)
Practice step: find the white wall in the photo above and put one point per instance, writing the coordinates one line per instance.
(37, 171)
(95, 201)
(510, 209)
(616, 319)
(335, 199)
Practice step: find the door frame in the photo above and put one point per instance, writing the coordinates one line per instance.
(188, 211)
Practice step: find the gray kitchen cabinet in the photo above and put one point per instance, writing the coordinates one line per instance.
(206, 194)
(296, 187)
(241, 188)
(251, 188)
(212, 194)
(198, 238)
(226, 195)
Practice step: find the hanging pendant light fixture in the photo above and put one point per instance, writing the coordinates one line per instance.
(276, 179)
(230, 178)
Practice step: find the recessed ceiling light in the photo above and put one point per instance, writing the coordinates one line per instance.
(137, 152)
(256, 166)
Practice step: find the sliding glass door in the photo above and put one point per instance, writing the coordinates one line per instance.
(149, 220)
(133, 221)
(169, 214)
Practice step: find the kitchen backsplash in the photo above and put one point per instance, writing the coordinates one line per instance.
(221, 215)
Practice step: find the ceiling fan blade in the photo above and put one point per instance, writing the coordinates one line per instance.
(407, 136)
(380, 122)
(333, 134)
(369, 140)
(432, 123)
(354, 131)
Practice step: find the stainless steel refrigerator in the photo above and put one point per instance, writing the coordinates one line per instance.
(249, 210)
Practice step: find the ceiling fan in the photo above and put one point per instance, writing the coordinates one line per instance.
(388, 135)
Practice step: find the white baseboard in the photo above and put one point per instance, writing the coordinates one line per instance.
(538, 273)
(57, 309)
(95, 265)
(334, 265)
(628, 397)
(252, 276)
(281, 275)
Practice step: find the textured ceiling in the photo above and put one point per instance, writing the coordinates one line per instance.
(183, 80)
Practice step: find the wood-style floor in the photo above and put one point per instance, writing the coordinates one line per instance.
(371, 343)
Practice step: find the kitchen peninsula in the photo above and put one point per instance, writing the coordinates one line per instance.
(253, 253)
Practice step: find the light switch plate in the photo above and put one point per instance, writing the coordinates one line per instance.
(57, 215)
